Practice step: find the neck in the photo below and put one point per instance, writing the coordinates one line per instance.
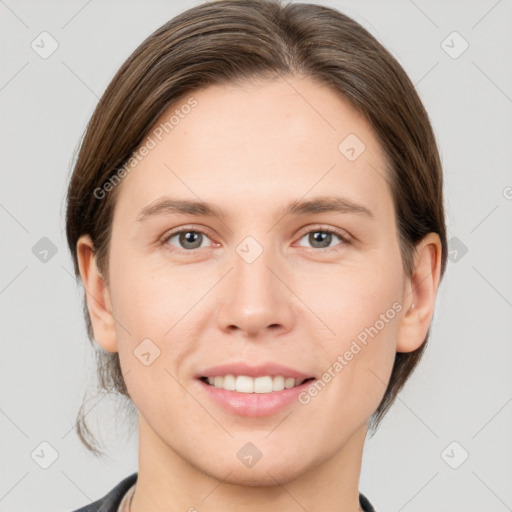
(167, 482)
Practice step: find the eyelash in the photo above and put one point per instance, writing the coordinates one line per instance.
(345, 239)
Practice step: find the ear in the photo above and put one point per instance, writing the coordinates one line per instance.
(420, 294)
(98, 295)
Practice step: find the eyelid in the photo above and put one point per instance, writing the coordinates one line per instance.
(342, 234)
(345, 238)
(173, 232)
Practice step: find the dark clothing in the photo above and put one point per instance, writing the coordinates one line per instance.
(110, 502)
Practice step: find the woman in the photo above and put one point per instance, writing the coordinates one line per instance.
(256, 214)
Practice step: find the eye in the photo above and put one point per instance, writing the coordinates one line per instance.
(322, 238)
(186, 239)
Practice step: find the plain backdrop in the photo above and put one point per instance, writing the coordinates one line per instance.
(445, 446)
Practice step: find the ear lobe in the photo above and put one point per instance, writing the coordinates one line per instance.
(97, 295)
(420, 294)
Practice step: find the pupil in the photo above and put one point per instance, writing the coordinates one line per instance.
(321, 237)
(190, 238)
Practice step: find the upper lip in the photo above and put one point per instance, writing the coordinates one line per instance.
(271, 369)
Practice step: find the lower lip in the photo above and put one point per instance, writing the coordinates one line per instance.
(253, 404)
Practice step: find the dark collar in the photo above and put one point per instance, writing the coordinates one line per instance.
(110, 502)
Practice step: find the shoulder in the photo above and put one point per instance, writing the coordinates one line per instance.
(110, 502)
(365, 504)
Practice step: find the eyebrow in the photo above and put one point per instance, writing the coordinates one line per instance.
(169, 205)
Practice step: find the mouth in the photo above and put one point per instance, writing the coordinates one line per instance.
(262, 384)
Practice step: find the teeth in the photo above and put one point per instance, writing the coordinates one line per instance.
(278, 383)
(289, 383)
(228, 383)
(245, 384)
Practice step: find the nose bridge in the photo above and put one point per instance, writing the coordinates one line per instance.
(251, 272)
(255, 298)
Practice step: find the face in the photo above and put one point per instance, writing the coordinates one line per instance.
(295, 274)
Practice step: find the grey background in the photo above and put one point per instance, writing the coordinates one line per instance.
(462, 390)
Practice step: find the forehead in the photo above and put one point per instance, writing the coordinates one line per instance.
(291, 135)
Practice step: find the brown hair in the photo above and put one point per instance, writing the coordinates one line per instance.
(228, 42)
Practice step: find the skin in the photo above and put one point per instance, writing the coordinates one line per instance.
(251, 150)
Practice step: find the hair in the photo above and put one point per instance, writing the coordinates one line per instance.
(227, 42)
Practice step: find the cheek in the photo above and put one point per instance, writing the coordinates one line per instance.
(158, 310)
(349, 300)
(362, 308)
(150, 297)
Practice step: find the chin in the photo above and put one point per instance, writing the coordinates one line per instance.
(268, 475)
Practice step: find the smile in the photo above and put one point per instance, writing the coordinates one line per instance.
(246, 384)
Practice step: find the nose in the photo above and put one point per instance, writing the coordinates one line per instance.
(256, 301)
